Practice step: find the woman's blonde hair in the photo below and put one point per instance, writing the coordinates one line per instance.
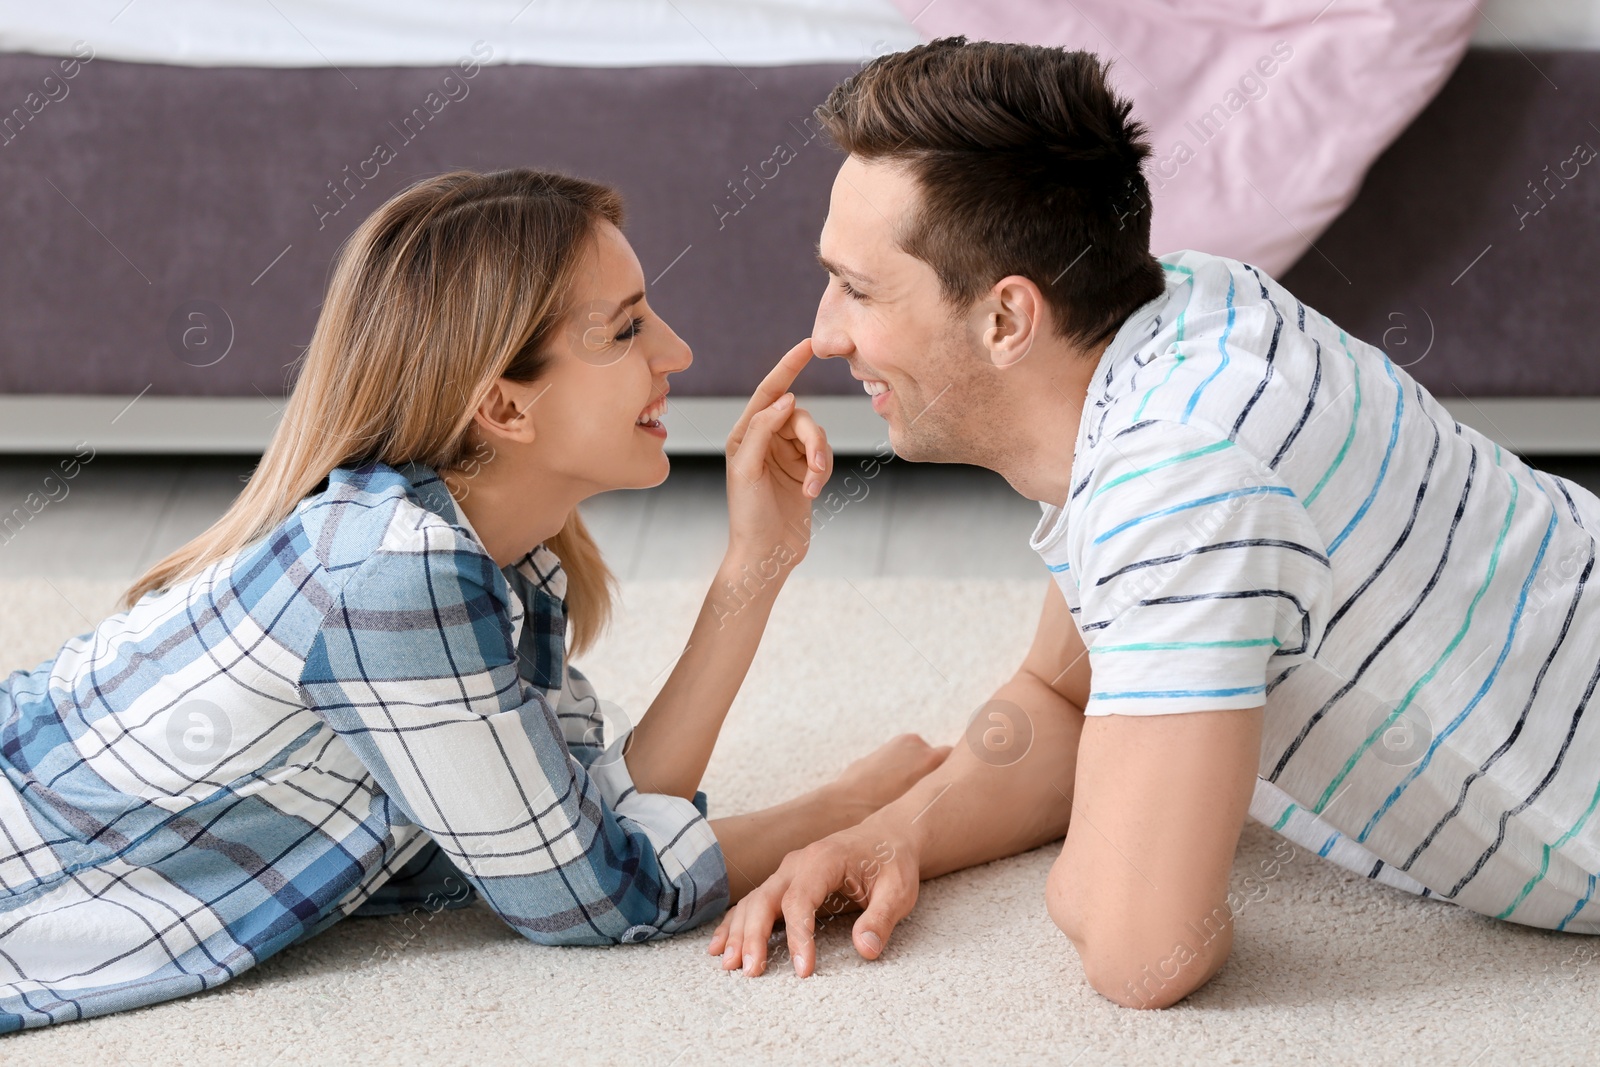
(456, 281)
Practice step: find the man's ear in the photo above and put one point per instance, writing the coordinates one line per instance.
(1013, 316)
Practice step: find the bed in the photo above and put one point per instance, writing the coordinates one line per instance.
(179, 173)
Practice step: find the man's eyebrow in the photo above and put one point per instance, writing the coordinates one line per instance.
(840, 269)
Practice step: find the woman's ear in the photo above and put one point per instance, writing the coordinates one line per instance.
(505, 411)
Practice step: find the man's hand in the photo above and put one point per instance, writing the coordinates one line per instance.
(979, 805)
(862, 867)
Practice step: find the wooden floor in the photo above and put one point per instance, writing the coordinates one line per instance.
(119, 514)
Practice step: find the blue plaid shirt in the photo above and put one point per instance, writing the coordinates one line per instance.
(353, 709)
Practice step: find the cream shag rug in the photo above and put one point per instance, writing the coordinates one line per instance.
(1326, 967)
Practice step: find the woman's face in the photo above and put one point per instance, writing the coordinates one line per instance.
(599, 402)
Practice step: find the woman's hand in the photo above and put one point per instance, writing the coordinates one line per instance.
(778, 462)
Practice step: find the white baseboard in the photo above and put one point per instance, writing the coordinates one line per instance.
(50, 423)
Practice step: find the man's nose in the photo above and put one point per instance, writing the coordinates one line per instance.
(829, 339)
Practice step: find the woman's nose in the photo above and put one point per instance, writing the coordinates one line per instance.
(675, 357)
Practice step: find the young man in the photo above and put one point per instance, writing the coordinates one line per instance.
(1285, 581)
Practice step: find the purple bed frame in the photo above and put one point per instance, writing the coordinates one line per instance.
(170, 228)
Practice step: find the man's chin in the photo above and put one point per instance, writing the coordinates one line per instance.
(912, 446)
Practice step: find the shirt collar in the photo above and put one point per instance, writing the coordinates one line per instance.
(541, 566)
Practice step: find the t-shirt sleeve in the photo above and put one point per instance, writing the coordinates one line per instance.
(414, 667)
(1200, 575)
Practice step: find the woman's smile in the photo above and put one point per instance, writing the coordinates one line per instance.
(650, 418)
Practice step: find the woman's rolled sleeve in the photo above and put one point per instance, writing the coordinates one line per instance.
(414, 667)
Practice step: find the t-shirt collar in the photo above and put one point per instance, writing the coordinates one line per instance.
(1049, 535)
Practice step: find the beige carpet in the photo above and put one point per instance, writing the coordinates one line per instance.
(1326, 967)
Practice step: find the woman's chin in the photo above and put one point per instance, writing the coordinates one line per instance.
(663, 469)
(650, 471)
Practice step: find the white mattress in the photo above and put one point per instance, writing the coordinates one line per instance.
(600, 33)
(1566, 24)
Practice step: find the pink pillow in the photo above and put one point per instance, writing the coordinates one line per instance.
(1264, 115)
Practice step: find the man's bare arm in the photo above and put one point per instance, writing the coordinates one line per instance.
(980, 805)
(986, 803)
(1141, 885)
(1151, 806)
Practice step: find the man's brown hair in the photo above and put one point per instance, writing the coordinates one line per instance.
(1027, 163)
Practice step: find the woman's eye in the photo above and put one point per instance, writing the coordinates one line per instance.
(632, 330)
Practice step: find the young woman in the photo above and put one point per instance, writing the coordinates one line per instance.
(351, 692)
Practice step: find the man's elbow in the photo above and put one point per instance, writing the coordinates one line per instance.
(1148, 971)
(1145, 987)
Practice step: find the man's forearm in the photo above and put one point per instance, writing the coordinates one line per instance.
(972, 810)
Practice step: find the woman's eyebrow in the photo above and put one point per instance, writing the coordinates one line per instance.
(628, 303)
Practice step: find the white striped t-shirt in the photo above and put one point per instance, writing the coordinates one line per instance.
(1265, 510)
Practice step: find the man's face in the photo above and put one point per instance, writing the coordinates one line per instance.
(882, 311)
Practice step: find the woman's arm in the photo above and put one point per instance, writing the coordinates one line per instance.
(672, 744)
(778, 462)
(414, 667)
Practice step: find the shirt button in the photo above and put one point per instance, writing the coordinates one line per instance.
(637, 933)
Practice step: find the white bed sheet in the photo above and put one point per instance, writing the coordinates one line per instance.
(600, 33)
(1563, 24)
(319, 33)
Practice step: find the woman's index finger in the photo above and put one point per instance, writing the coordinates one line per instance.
(778, 380)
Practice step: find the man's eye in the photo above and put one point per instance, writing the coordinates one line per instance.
(849, 291)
